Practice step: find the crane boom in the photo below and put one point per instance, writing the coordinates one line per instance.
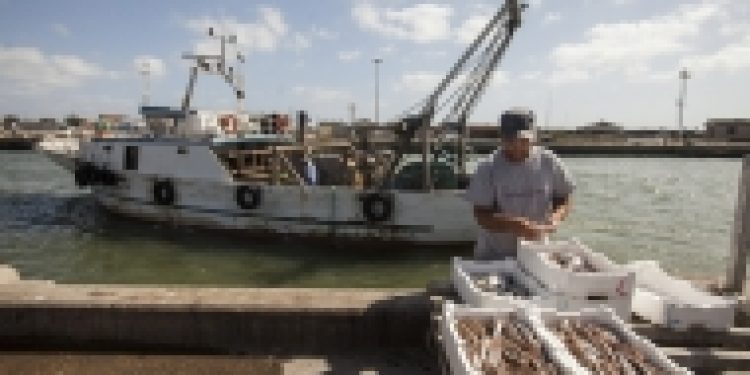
(495, 37)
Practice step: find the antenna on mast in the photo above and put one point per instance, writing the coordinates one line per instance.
(216, 64)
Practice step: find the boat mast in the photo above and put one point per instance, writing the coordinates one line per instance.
(215, 64)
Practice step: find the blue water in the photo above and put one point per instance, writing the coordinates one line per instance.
(677, 211)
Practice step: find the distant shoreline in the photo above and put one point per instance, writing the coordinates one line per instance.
(687, 151)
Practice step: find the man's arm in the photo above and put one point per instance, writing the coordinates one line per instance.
(502, 223)
(560, 209)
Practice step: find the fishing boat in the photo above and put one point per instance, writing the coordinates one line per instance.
(258, 173)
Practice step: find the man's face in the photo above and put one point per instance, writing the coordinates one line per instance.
(516, 149)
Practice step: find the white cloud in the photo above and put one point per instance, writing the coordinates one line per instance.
(61, 29)
(300, 42)
(349, 55)
(552, 17)
(568, 76)
(264, 34)
(323, 33)
(470, 28)
(153, 65)
(734, 29)
(435, 54)
(631, 47)
(531, 76)
(29, 70)
(426, 81)
(319, 94)
(732, 57)
(499, 79)
(421, 23)
(535, 4)
(420, 81)
(387, 50)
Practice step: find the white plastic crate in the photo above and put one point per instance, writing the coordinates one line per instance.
(675, 303)
(607, 318)
(455, 347)
(472, 295)
(611, 284)
(463, 271)
(621, 305)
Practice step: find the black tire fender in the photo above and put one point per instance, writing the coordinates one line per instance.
(164, 192)
(248, 197)
(109, 178)
(82, 174)
(377, 207)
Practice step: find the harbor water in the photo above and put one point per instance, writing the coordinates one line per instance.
(676, 211)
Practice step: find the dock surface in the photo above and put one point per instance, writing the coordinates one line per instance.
(102, 329)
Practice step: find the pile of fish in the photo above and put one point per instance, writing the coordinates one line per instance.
(600, 350)
(571, 261)
(504, 346)
(500, 284)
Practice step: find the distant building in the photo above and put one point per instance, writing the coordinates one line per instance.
(111, 121)
(600, 128)
(729, 129)
(74, 121)
(41, 124)
(10, 122)
(334, 129)
(487, 130)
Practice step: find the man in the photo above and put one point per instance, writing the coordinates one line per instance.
(522, 192)
(311, 171)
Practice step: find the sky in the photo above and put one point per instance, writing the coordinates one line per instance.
(572, 61)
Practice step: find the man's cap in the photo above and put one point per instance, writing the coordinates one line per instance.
(517, 123)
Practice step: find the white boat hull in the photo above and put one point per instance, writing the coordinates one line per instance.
(441, 217)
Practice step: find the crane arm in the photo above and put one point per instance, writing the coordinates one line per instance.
(495, 37)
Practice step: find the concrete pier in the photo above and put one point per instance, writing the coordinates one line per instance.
(106, 329)
(302, 321)
(100, 328)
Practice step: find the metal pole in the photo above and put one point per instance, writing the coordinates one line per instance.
(426, 183)
(377, 63)
(145, 70)
(463, 133)
(740, 240)
(684, 75)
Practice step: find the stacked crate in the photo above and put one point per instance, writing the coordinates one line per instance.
(516, 289)
(602, 283)
(545, 299)
(517, 339)
(602, 343)
(472, 354)
(677, 304)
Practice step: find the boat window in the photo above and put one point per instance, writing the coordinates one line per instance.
(107, 148)
(131, 158)
(182, 150)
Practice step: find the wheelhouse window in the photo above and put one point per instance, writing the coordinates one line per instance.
(131, 158)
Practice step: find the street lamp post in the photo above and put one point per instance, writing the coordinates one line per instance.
(684, 76)
(144, 68)
(377, 63)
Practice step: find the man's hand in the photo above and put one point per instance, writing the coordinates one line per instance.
(521, 227)
(532, 231)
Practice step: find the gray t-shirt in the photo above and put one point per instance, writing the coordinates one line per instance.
(517, 189)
